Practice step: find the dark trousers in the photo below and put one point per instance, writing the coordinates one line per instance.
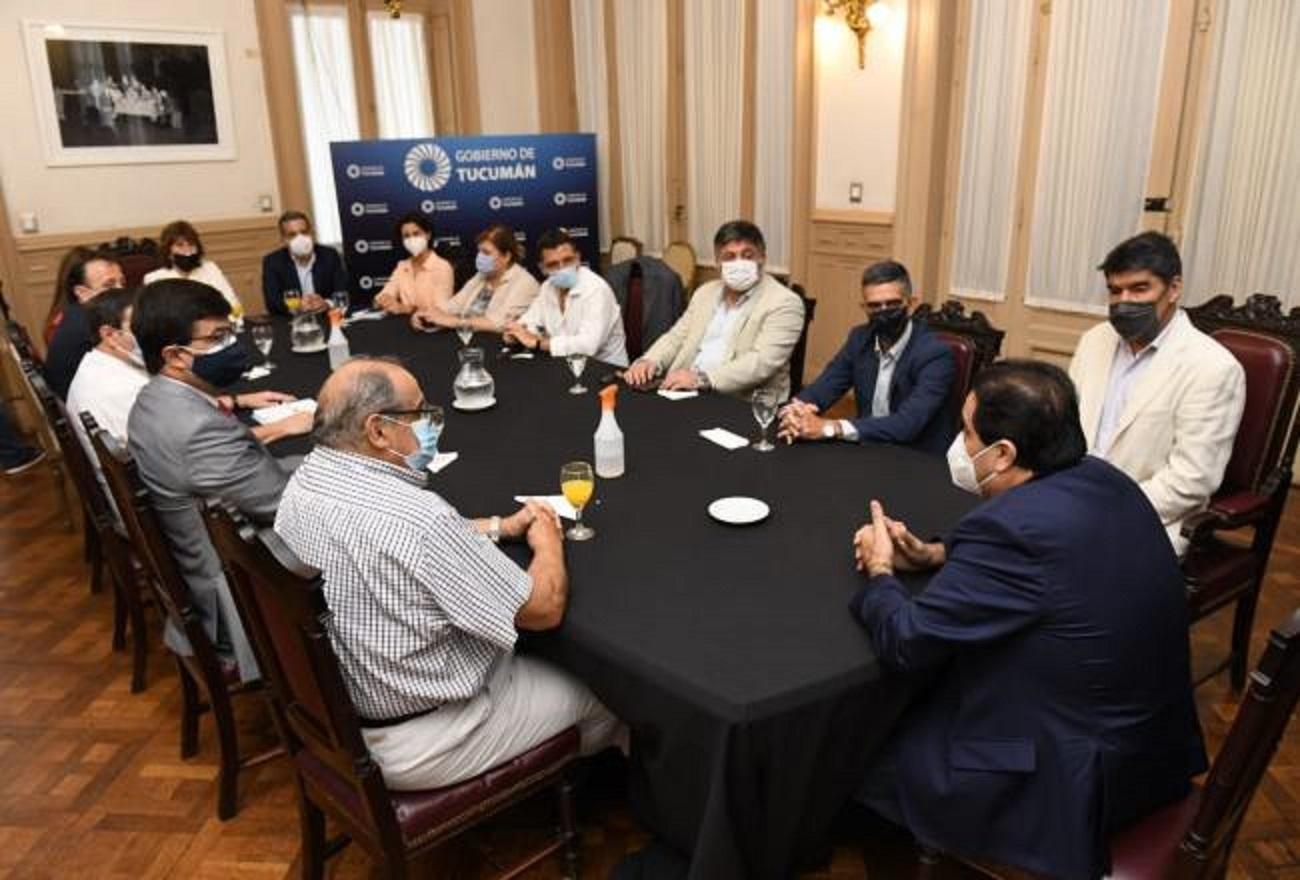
(13, 451)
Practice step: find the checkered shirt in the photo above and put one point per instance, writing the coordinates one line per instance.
(422, 603)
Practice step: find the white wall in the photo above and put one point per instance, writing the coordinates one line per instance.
(858, 111)
(506, 58)
(71, 199)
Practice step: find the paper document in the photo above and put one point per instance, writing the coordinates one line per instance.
(558, 503)
(724, 438)
(270, 414)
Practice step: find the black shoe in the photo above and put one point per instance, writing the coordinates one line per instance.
(32, 458)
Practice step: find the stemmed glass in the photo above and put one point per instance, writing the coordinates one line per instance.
(577, 482)
(577, 363)
(264, 337)
(339, 299)
(764, 404)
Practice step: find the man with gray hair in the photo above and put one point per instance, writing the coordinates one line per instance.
(425, 607)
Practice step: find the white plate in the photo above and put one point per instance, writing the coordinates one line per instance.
(456, 404)
(739, 510)
(310, 349)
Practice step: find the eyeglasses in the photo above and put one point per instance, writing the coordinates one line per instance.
(427, 411)
(216, 337)
(872, 307)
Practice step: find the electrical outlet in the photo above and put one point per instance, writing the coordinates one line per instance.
(855, 193)
(265, 204)
(28, 223)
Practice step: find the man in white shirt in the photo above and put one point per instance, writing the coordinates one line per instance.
(1158, 398)
(112, 373)
(737, 333)
(575, 311)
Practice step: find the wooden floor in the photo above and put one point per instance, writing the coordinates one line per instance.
(92, 785)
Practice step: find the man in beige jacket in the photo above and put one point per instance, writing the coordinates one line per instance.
(737, 333)
(1158, 398)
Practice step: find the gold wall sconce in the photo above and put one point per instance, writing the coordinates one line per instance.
(860, 16)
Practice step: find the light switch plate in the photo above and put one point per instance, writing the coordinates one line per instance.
(28, 223)
(855, 193)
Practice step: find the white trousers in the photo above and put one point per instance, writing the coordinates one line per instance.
(526, 702)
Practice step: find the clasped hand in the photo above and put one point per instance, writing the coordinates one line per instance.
(884, 544)
(800, 420)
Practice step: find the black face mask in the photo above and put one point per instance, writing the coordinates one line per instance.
(186, 262)
(1135, 321)
(223, 367)
(889, 323)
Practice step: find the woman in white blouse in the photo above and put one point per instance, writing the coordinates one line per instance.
(182, 255)
(500, 291)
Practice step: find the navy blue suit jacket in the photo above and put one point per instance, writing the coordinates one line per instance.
(920, 415)
(1065, 710)
(279, 274)
(71, 341)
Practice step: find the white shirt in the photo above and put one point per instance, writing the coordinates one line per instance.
(884, 378)
(208, 272)
(306, 284)
(726, 318)
(589, 324)
(105, 387)
(1125, 371)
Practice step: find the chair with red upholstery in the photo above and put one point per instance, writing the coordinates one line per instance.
(1221, 566)
(282, 604)
(1192, 839)
(207, 683)
(974, 342)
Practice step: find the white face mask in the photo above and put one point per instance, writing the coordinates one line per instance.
(415, 244)
(740, 275)
(961, 465)
(300, 245)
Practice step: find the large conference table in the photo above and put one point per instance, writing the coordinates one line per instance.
(753, 696)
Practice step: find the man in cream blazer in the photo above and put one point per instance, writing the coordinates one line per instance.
(737, 333)
(1158, 398)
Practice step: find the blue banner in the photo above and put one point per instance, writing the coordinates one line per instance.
(462, 185)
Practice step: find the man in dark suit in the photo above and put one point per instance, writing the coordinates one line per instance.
(1055, 631)
(189, 445)
(88, 276)
(312, 269)
(901, 375)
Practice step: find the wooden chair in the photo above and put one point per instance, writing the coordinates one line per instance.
(131, 588)
(137, 256)
(800, 351)
(623, 248)
(974, 342)
(1258, 477)
(206, 682)
(680, 257)
(282, 603)
(1192, 839)
(26, 368)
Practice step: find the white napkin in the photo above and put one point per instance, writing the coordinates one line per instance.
(366, 315)
(678, 395)
(256, 373)
(269, 414)
(522, 356)
(724, 438)
(558, 503)
(441, 460)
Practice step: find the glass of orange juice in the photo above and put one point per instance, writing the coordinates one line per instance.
(577, 482)
(292, 301)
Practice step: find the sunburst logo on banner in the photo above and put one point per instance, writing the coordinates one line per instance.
(428, 167)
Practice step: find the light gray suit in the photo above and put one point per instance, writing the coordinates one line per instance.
(187, 450)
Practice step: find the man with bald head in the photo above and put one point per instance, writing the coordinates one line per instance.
(425, 607)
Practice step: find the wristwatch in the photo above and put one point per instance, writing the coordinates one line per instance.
(702, 382)
(831, 429)
(494, 530)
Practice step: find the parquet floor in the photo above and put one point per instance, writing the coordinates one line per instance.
(92, 785)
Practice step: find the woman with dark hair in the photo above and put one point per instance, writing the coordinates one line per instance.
(422, 282)
(500, 291)
(182, 254)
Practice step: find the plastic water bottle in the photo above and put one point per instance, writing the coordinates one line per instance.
(339, 350)
(609, 437)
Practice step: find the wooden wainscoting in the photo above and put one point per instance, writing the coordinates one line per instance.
(236, 244)
(841, 245)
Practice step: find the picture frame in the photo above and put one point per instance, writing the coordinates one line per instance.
(113, 94)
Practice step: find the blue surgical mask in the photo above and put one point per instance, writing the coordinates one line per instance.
(426, 434)
(485, 264)
(222, 365)
(565, 278)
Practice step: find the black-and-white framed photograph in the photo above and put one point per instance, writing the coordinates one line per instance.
(120, 94)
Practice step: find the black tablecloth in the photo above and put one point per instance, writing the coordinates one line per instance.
(753, 696)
